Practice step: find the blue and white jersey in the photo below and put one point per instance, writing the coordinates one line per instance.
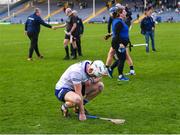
(75, 74)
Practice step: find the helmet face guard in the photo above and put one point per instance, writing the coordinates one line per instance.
(98, 68)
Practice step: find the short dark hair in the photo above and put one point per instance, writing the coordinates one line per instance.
(148, 8)
(36, 10)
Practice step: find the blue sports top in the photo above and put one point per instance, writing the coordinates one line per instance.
(123, 33)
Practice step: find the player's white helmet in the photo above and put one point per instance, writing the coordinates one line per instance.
(98, 68)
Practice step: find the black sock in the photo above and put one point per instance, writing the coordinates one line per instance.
(67, 51)
(75, 52)
(107, 66)
(131, 67)
(71, 48)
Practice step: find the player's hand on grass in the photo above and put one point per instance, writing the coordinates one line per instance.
(82, 116)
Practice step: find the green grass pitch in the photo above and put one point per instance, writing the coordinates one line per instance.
(149, 102)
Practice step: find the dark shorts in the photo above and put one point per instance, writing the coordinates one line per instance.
(68, 37)
(60, 94)
(125, 43)
(115, 46)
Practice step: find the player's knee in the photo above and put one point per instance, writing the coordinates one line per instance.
(70, 104)
(65, 43)
(100, 87)
(111, 53)
(77, 100)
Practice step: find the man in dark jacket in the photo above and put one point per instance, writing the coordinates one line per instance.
(32, 30)
(147, 28)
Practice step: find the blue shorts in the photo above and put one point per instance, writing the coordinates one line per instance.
(61, 93)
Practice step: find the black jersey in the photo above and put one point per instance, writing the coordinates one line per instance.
(69, 23)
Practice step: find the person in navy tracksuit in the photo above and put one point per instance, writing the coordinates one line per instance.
(32, 30)
(147, 28)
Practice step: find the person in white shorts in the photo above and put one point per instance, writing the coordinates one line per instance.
(80, 83)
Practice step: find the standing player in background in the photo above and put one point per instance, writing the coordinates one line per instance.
(80, 82)
(112, 51)
(32, 30)
(71, 34)
(148, 27)
(80, 31)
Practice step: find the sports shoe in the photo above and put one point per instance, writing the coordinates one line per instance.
(64, 110)
(40, 57)
(74, 57)
(123, 78)
(110, 72)
(66, 58)
(154, 50)
(131, 72)
(29, 59)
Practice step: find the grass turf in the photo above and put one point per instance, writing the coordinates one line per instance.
(149, 101)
